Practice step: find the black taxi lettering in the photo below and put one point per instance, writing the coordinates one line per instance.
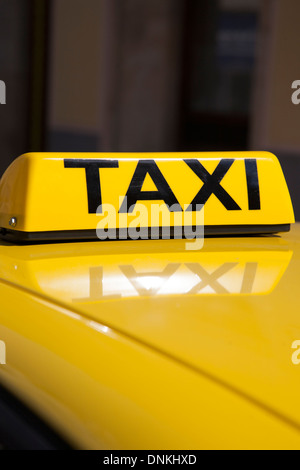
(212, 184)
(135, 193)
(92, 178)
(252, 184)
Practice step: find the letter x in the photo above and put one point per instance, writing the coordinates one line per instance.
(207, 279)
(212, 184)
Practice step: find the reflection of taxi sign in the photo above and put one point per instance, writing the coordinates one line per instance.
(68, 196)
(169, 271)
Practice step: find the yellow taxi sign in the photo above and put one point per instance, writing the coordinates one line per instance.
(46, 196)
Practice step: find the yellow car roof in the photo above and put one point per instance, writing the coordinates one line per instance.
(152, 344)
(144, 344)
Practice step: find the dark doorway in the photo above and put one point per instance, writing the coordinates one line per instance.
(218, 64)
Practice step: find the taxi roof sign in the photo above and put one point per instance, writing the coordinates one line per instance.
(65, 196)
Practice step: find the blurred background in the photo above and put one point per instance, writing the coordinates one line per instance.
(151, 75)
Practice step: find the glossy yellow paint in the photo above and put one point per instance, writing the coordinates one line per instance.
(127, 345)
(42, 194)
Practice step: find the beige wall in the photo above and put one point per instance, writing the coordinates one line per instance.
(115, 73)
(75, 75)
(141, 66)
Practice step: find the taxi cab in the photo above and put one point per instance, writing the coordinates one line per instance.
(148, 301)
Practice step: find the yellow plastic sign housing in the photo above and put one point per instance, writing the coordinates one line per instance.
(65, 196)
